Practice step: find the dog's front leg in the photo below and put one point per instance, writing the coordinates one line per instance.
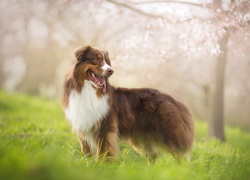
(108, 149)
(85, 148)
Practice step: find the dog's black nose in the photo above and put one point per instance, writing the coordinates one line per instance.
(110, 71)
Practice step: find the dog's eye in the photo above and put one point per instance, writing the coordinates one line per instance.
(96, 60)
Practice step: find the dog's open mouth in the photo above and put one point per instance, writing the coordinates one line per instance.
(97, 81)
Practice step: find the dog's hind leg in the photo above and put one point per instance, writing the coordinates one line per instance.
(145, 146)
(187, 157)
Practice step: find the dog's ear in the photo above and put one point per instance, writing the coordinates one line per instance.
(81, 52)
(107, 59)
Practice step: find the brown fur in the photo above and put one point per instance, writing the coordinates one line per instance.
(144, 117)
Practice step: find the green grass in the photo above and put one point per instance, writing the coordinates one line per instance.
(36, 142)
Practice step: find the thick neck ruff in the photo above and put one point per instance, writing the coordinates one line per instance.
(85, 109)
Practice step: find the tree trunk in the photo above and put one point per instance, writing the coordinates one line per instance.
(216, 119)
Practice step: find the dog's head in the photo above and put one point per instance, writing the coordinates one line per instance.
(93, 64)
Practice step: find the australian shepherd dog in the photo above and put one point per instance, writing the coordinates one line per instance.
(101, 114)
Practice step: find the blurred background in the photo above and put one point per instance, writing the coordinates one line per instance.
(173, 46)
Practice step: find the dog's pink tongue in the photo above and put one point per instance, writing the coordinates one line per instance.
(104, 87)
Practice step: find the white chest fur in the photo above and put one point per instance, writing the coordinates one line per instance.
(85, 109)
